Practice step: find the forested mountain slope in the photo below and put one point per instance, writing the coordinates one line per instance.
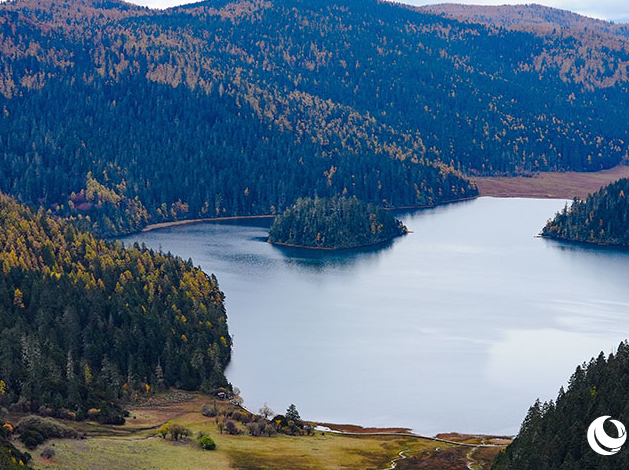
(85, 323)
(602, 217)
(592, 41)
(127, 115)
(553, 435)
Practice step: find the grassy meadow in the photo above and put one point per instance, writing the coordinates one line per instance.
(137, 445)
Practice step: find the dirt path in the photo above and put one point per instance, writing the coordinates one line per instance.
(150, 227)
(402, 456)
(470, 458)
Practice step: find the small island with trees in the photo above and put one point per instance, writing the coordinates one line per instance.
(601, 218)
(334, 223)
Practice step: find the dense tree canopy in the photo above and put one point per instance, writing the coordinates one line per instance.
(84, 322)
(136, 139)
(120, 116)
(602, 217)
(553, 434)
(337, 222)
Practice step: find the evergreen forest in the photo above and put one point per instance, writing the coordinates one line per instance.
(87, 324)
(602, 218)
(337, 222)
(553, 434)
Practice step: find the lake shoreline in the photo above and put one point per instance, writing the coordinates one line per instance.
(328, 248)
(356, 429)
(583, 242)
(174, 223)
(541, 185)
(395, 294)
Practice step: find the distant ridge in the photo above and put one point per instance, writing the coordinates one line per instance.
(530, 17)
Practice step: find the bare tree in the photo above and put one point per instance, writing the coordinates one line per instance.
(265, 411)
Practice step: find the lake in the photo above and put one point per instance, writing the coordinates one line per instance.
(458, 326)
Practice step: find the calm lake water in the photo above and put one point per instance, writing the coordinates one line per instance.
(458, 326)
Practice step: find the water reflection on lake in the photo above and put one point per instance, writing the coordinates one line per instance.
(458, 326)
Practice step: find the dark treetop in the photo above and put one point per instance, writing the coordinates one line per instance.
(337, 222)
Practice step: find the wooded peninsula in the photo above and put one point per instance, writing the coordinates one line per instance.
(601, 218)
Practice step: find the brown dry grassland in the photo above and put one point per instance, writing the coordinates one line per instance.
(550, 185)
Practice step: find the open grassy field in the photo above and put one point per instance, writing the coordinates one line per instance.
(550, 185)
(136, 445)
